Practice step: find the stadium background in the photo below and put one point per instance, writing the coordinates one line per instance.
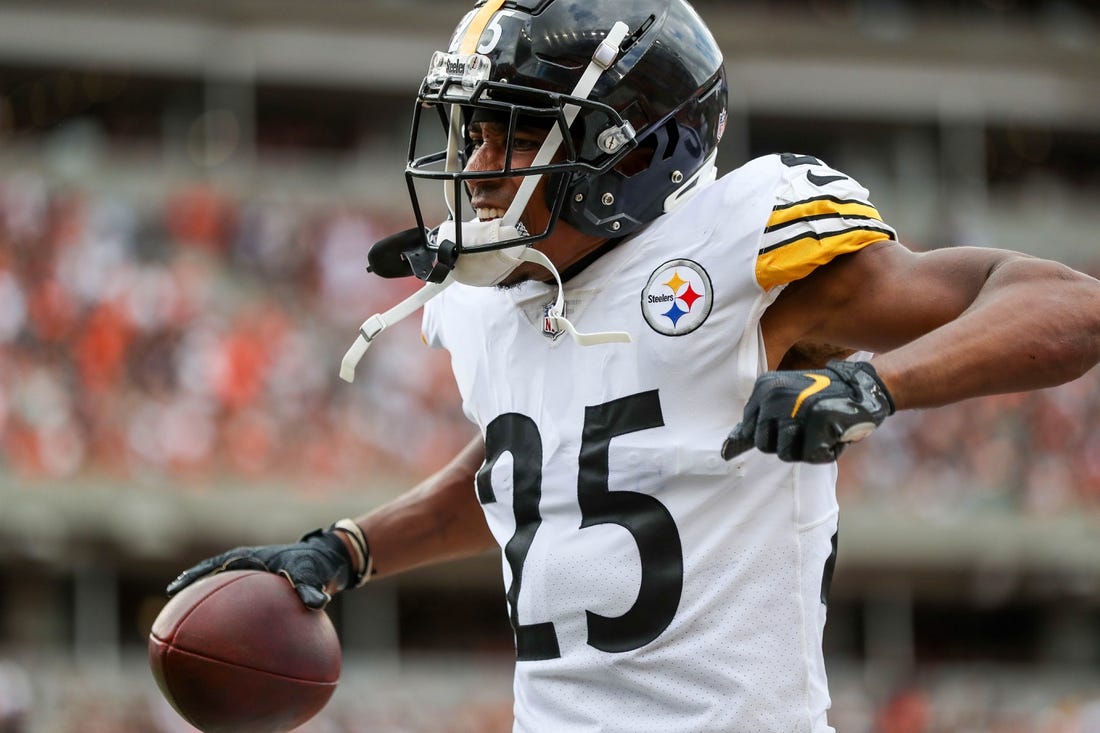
(187, 193)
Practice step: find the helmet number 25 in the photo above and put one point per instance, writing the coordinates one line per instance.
(648, 521)
(495, 29)
(490, 43)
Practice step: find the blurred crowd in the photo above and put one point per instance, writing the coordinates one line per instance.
(1034, 453)
(197, 335)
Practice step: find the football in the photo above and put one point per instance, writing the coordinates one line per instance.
(237, 651)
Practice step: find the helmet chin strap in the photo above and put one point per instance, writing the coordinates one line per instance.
(494, 266)
(556, 314)
(379, 322)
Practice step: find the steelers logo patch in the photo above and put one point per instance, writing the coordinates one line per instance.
(677, 298)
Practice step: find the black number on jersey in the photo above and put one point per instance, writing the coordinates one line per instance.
(518, 435)
(647, 520)
(643, 516)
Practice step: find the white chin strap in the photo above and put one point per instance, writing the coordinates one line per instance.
(556, 314)
(379, 322)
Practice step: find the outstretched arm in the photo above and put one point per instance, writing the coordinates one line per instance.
(438, 520)
(948, 324)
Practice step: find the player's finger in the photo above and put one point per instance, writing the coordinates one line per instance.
(822, 452)
(824, 436)
(741, 438)
(189, 576)
(766, 435)
(303, 575)
(788, 442)
(243, 562)
(312, 597)
(736, 443)
(237, 559)
(308, 594)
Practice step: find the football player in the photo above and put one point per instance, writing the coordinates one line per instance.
(612, 309)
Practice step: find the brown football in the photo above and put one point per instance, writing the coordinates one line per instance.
(237, 651)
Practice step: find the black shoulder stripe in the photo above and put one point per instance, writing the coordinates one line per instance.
(818, 217)
(825, 235)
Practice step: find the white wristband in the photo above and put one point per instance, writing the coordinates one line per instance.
(361, 557)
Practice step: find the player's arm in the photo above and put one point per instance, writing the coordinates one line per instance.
(438, 520)
(949, 325)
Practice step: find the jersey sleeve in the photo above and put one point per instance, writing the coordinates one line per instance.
(819, 214)
(429, 324)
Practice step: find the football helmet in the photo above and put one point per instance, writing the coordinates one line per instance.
(632, 94)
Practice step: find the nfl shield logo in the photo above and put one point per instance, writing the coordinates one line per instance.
(548, 329)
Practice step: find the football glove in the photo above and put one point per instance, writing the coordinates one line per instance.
(811, 416)
(318, 561)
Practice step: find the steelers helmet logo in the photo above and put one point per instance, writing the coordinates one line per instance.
(677, 298)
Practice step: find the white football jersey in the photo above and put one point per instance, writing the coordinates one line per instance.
(653, 586)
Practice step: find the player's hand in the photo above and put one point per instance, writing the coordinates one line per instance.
(317, 565)
(811, 416)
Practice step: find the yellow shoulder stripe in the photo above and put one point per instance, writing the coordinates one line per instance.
(477, 26)
(821, 207)
(800, 257)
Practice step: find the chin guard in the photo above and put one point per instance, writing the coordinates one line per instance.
(407, 253)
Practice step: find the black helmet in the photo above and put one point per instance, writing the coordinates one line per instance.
(608, 78)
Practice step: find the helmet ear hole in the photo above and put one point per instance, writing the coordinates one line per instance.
(640, 158)
(660, 144)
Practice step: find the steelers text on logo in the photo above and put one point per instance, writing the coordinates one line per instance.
(677, 298)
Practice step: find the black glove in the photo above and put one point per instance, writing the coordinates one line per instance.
(310, 564)
(811, 416)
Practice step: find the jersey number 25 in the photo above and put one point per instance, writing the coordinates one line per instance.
(647, 520)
